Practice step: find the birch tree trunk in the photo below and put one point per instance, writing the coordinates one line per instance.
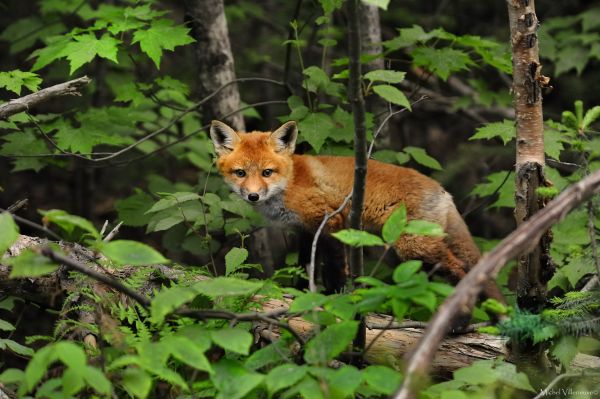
(370, 37)
(215, 60)
(534, 268)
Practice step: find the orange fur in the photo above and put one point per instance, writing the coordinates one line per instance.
(310, 186)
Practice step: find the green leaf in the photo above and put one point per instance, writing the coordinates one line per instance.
(24, 143)
(426, 299)
(275, 353)
(552, 143)
(233, 381)
(344, 381)
(169, 299)
(392, 94)
(504, 130)
(358, 238)
(17, 347)
(172, 200)
(318, 81)
(314, 129)
(421, 157)
(590, 117)
(30, 264)
(442, 62)
(284, 376)
(544, 333)
(12, 376)
(9, 230)
(394, 225)
(127, 252)
(385, 75)
(406, 270)
(408, 37)
(6, 326)
(188, 352)
(569, 57)
(96, 379)
(69, 222)
(84, 48)
(479, 373)
(226, 286)
(424, 228)
(137, 382)
(161, 35)
(497, 182)
(15, 80)
(132, 210)
(330, 343)
(234, 259)
(55, 49)
(72, 381)
(576, 268)
(308, 301)
(382, 379)
(233, 339)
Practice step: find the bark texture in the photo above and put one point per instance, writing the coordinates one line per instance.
(534, 268)
(215, 60)
(370, 37)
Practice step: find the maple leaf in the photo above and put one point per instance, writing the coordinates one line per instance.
(85, 47)
(441, 62)
(161, 35)
(15, 80)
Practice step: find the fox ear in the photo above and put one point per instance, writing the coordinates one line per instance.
(223, 137)
(284, 138)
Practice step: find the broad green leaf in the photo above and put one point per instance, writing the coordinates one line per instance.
(422, 158)
(234, 259)
(186, 351)
(72, 381)
(172, 199)
(570, 57)
(6, 326)
(132, 210)
(385, 75)
(392, 94)
(168, 300)
(12, 376)
(426, 299)
(424, 228)
(15, 80)
(544, 333)
(479, 373)
(127, 252)
(233, 381)
(161, 35)
(318, 81)
(344, 381)
(504, 130)
(24, 143)
(590, 117)
(315, 128)
(394, 225)
(84, 48)
(275, 353)
(16, 347)
(497, 182)
(330, 343)
(406, 270)
(226, 286)
(233, 339)
(382, 379)
(137, 382)
(55, 49)
(441, 62)
(307, 301)
(578, 267)
(409, 36)
(188, 211)
(70, 354)
(96, 379)
(30, 264)
(358, 238)
(9, 232)
(552, 143)
(284, 376)
(69, 222)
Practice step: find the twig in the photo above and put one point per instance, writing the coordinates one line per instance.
(31, 100)
(33, 225)
(591, 284)
(555, 381)
(421, 325)
(18, 205)
(104, 226)
(467, 290)
(288, 46)
(113, 233)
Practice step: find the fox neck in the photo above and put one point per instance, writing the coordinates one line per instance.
(275, 210)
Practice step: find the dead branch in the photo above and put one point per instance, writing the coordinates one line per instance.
(70, 88)
(465, 295)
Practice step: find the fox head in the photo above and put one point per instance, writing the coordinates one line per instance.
(257, 165)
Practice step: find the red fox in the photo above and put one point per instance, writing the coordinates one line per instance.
(297, 190)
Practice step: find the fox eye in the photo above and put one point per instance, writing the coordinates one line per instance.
(240, 172)
(267, 172)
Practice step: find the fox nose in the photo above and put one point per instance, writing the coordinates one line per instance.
(253, 197)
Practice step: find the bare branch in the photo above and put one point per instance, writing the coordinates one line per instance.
(70, 88)
(466, 292)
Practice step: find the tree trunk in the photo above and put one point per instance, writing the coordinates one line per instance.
(215, 61)
(371, 45)
(534, 268)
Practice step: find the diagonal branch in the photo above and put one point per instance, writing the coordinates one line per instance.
(70, 88)
(465, 295)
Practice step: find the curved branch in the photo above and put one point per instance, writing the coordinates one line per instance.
(70, 88)
(465, 295)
